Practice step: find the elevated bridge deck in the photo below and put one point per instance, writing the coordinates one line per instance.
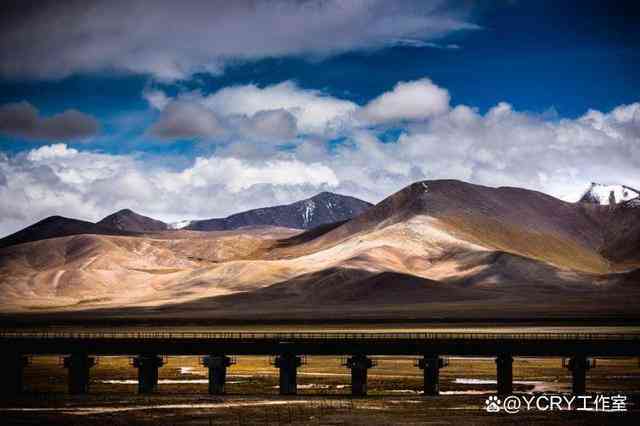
(288, 348)
(322, 343)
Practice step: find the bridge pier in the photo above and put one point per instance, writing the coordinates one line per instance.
(431, 365)
(359, 365)
(217, 365)
(13, 365)
(147, 366)
(504, 367)
(579, 365)
(288, 365)
(79, 364)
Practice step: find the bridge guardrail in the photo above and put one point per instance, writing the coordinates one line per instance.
(310, 336)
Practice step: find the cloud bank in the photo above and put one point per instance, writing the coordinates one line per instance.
(173, 40)
(434, 140)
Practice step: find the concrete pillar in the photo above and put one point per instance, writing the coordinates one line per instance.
(579, 365)
(79, 365)
(217, 365)
(12, 365)
(359, 365)
(431, 364)
(504, 367)
(147, 366)
(288, 365)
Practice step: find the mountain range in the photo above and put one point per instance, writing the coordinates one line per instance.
(321, 209)
(436, 249)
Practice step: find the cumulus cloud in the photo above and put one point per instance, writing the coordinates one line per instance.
(314, 111)
(281, 111)
(173, 40)
(273, 113)
(414, 100)
(21, 119)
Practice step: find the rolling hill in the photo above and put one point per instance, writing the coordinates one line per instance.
(436, 249)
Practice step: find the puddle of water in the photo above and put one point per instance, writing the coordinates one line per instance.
(465, 381)
(309, 386)
(538, 386)
(168, 381)
(186, 370)
(466, 392)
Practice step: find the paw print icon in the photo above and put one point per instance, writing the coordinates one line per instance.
(493, 404)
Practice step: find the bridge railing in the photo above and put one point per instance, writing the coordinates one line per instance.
(310, 336)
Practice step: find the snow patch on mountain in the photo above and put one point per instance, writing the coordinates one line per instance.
(605, 195)
(309, 208)
(180, 224)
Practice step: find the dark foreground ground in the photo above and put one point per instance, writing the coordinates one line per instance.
(302, 410)
(324, 394)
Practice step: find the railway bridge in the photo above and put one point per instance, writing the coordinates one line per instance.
(79, 349)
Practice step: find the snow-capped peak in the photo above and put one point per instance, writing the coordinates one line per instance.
(605, 195)
(179, 225)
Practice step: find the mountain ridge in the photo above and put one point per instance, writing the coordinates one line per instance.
(321, 209)
(440, 248)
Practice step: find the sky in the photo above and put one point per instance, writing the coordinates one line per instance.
(200, 109)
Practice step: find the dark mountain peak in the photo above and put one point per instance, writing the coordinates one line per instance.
(321, 209)
(326, 194)
(126, 212)
(52, 219)
(128, 220)
(55, 227)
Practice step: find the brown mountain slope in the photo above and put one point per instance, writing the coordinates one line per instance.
(622, 235)
(518, 221)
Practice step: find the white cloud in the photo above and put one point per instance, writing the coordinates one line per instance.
(283, 110)
(173, 40)
(413, 100)
(157, 99)
(46, 152)
(314, 111)
(237, 175)
(278, 112)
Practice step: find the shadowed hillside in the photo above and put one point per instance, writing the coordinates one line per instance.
(434, 249)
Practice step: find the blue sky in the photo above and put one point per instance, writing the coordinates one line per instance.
(524, 72)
